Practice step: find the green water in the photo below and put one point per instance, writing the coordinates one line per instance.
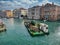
(17, 34)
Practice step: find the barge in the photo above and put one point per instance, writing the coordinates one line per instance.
(36, 29)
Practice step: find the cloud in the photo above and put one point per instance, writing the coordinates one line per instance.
(57, 3)
(9, 4)
(44, 2)
(17, 4)
(22, 3)
(28, 1)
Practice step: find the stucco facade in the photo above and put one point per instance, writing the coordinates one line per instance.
(9, 13)
(19, 12)
(34, 12)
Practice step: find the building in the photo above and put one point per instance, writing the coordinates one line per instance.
(19, 12)
(2, 14)
(16, 13)
(50, 12)
(23, 11)
(34, 12)
(9, 13)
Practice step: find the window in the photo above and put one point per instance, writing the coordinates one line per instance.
(32, 13)
(33, 9)
(47, 13)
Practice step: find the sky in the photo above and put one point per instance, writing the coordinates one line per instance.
(13, 4)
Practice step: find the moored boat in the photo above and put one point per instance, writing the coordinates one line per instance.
(36, 29)
(2, 26)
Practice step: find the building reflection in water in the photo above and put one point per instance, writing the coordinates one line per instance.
(11, 21)
(22, 22)
(11, 24)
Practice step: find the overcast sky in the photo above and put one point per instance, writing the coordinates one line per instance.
(13, 4)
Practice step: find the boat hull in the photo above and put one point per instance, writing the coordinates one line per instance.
(3, 29)
(41, 33)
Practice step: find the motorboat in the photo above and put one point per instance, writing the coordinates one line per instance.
(36, 28)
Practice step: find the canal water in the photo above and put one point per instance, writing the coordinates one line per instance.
(17, 34)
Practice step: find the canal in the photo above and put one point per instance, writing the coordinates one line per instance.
(17, 34)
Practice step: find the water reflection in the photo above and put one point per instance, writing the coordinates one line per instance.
(10, 24)
(11, 21)
(3, 33)
(17, 34)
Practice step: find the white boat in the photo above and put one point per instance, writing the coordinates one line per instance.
(44, 27)
(44, 20)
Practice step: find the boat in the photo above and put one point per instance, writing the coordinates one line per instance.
(44, 20)
(36, 29)
(2, 26)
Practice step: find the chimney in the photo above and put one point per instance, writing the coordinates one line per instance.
(52, 3)
(42, 4)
